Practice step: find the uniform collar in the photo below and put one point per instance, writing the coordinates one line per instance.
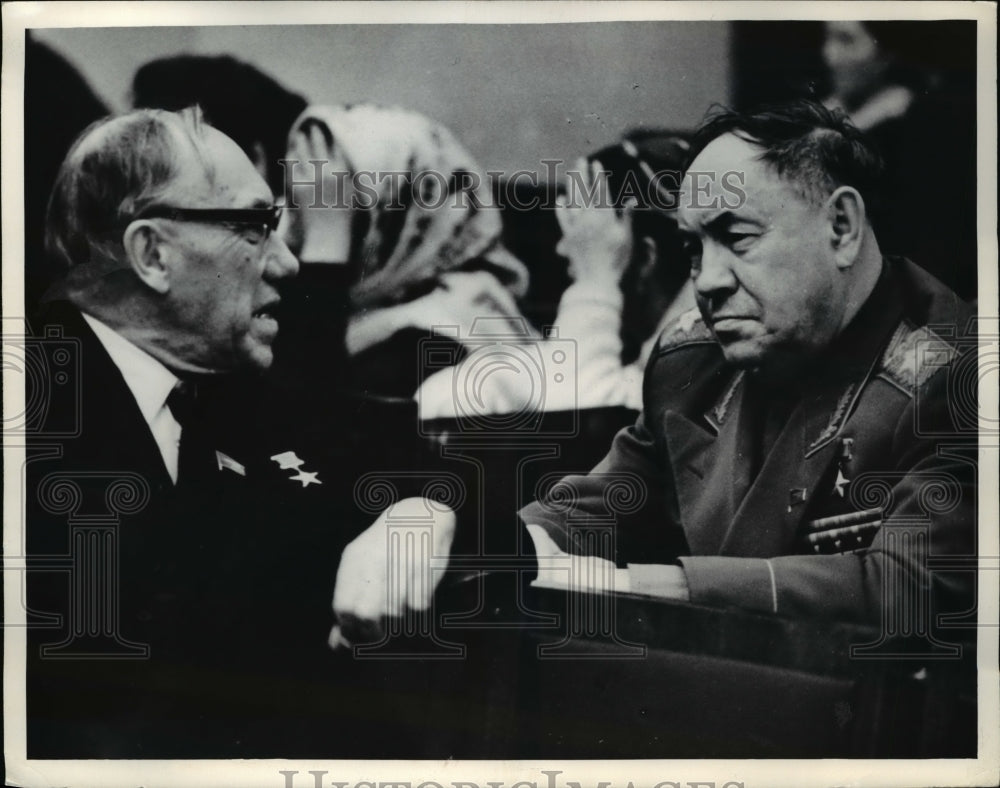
(862, 341)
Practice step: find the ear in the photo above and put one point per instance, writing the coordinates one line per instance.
(847, 221)
(259, 158)
(149, 255)
(645, 251)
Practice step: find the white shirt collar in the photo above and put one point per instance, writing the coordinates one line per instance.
(149, 381)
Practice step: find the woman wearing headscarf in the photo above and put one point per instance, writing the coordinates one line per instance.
(398, 209)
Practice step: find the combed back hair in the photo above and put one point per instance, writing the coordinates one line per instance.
(814, 149)
(117, 167)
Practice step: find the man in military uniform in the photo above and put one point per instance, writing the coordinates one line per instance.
(797, 453)
(795, 419)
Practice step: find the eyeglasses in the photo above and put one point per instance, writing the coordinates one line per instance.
(264, 220)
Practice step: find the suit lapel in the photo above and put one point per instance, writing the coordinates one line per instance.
(706, 457)
(722, 511)
(765, 522)
(113, 432)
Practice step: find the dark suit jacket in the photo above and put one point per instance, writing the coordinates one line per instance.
(182, 624)
(868, 480)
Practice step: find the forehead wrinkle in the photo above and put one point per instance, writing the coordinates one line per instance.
(235, 183)
(691, 217)
(195, 179)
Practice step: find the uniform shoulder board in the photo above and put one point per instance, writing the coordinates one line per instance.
(913, 356)
(688, 328)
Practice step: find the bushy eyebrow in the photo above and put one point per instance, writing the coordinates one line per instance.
(719, 223)
(261, 204)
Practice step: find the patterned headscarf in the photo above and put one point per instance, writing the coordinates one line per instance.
(410, 239)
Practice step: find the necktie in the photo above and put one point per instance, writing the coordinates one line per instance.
(195, 458)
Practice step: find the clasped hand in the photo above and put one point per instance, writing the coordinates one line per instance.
(395, 565)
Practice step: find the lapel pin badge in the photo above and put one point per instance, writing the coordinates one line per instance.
(290, 460)
(797, 496)
(223, 460)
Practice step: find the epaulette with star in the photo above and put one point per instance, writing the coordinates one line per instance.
(688, 328)
(913, 355)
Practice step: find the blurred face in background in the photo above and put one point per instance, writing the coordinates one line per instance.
(856, 62)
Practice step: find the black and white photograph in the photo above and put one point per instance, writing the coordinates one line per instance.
(515, 394)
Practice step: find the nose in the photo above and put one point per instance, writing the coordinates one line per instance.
(714, 279)
(281, 263)
(289, 229)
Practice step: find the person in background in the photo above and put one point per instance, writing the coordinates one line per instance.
(866, 73)
(629, 281)
(49, 81)
(893, 79)
(407, 216)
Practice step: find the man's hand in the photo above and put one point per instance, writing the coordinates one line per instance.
(394, 565)
(573, 572)
(597, 241)
(595, 575)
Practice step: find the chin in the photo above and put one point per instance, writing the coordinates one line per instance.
(258, 358)
(745, 355)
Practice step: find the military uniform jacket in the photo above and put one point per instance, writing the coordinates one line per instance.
(868, 478)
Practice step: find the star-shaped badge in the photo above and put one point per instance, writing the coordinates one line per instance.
(288, 459)
(841, 483)
(306, 478)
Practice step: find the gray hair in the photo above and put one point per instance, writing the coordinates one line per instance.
(117, 167)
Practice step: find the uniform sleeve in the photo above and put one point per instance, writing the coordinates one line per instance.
(629, 494)
(929, 500)
(617, 510)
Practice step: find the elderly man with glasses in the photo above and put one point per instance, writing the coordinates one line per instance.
(184, 545)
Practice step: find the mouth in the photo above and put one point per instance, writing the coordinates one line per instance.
(721, 320)
(267, 313)
(729, 327)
